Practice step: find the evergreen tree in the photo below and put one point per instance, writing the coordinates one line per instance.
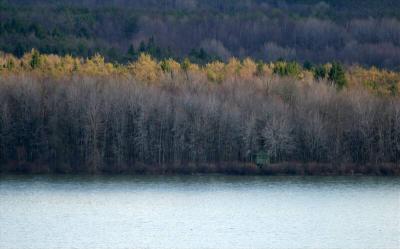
(337, 75)
(307, 65)
(132, 52)
(283, 68)
(319, 72)
(35, 61)
(260, 68)
(185, 65)
(165, 66)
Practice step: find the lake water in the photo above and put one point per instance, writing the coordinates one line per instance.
(190, 212)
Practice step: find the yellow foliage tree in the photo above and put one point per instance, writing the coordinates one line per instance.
(215, 71)
(146, 69)
(52, 64)
(232, 68)
(70, 64)
(248, 69)
(94, 66)
(380, 81)
(9, 63)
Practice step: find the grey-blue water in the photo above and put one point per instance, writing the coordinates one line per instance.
(118, 212)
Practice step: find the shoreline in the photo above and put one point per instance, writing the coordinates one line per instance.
(233, 168)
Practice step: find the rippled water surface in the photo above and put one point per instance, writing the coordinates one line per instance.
(118, 212)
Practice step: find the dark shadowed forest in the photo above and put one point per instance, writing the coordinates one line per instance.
(364, 32)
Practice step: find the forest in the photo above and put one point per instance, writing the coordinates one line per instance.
(70, 114)
(353, 32)
(200, 86)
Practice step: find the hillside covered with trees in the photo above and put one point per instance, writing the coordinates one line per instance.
(364, 32)
(166, 86)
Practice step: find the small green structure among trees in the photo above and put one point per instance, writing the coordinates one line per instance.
(262, 159)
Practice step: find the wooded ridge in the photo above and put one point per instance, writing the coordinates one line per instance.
(363, 32)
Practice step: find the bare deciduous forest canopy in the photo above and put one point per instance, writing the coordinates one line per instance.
(365, 32)
(65, 114)
(166, 86)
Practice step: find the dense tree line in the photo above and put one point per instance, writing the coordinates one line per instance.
(181, 118)
(352, 32)
(147, 69)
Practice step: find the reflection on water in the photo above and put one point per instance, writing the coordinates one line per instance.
(199, 212)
